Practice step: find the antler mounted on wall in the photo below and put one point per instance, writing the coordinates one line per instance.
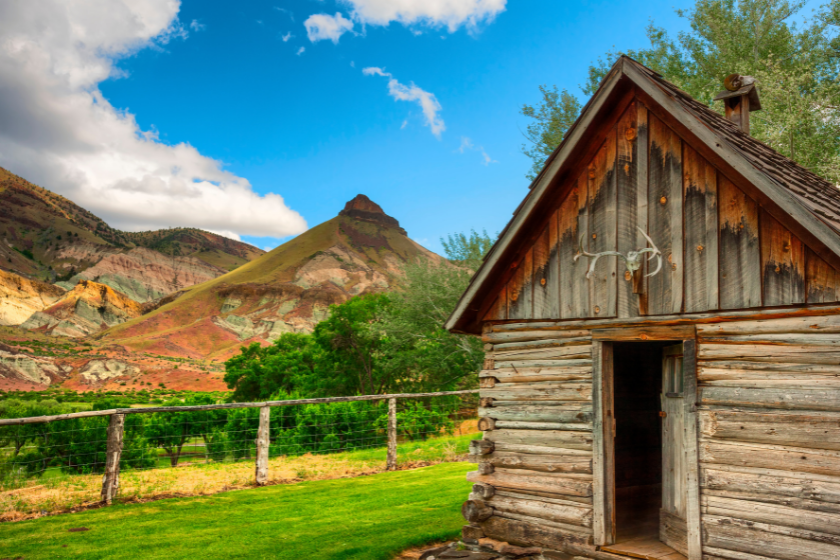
(633, 259)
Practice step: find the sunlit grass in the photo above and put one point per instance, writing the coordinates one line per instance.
(59, 492)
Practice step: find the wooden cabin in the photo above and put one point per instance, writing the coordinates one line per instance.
(689, 407)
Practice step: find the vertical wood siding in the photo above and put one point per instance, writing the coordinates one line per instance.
(769, 442)
(721, 249)
(540, 383)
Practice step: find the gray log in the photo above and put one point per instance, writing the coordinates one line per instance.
(111, 479)
(392, 435)
(476, 510)
(263, 436)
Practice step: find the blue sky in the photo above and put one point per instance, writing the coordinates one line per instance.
(313, 128)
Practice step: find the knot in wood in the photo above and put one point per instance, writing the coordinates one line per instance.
(663, 200)
(630, 133)
(597, 310)
(627, 275)
(594, 236)
(542, 281)
(699, 247)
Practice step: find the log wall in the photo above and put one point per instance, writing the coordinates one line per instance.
(535, 467)
(769, 441)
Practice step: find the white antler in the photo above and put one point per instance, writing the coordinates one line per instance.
(632, 260)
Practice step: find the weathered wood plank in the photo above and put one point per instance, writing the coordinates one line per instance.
(799, 430)
(785, 398)
(533, 533)
(756, 455)
(531, 375)
(542, 343)
(602, 229)
(543, 297)
(740, 255)
(772, 513)
(691, 450)
(805, 491)
(523, 480)
(570, 514)
(783, 263)
(536, 413)
(603, 436)
(674, 532)
(540, 391)
(498, 311)
(829, 323)
(532, 334)
(701, 232)
(554, 463)
(665, 218)
(768, 540)
(573, 226)
(801, 354)
(546, 438)
(568, 352)
(626, 170)
(520, 291)
(820, 279)
(642, 191)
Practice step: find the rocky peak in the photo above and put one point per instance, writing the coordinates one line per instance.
(363, 208)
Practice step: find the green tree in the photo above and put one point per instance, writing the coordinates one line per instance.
(172, 430)
(555, 114)
(467, 250)
(259, 372)
(796, 68)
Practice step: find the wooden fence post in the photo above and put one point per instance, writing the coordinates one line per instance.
(262, 446)
(111, 479)
(392, 435)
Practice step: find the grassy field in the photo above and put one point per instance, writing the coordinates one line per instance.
(59, 492)
(366, 518)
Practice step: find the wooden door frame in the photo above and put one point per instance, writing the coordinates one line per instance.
(603, 429)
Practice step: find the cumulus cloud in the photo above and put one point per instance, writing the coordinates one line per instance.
(320, 27)
(286, 37)
(300, 51)
(196, 25)
(59, 131)
(451, 14)
(401, 92)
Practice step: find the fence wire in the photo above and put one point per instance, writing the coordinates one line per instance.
(65, 452)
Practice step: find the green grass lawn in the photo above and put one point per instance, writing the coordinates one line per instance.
(364, 518)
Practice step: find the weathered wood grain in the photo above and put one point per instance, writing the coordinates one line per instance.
(532, 533)
(818, 324)
(740, 252)
(673, 532)
(555, 463)
(768, 540)
(113, 452)
(263, 435)
(547, 272)
(519, 289)
(542, 390)
(772, 513)
(574, 230)
(534, 333)
(820, 279)
(523, 480)
(498, 310)
(476, 510)
(626, 171)
(798, 430)
(701, 232)
(803, 490)
(530, 375)
(800, 354)
(665, 218)
(548, 438)
(777, 457)
(785, 398)
(541, 343)
(579, 352)
(560, 513)
(602, 230)
(536, 413)
(782, 262)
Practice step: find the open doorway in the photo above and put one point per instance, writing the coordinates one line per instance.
(649, 474)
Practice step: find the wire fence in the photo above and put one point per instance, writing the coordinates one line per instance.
(62, 460)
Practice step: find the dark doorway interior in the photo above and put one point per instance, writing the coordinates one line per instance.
(637, 375)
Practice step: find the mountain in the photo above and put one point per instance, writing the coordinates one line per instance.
(46, 237)
(21, 297)
(289, 289)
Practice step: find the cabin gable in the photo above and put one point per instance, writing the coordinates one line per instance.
(721, 248)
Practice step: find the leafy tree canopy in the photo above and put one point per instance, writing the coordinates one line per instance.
(795, 65)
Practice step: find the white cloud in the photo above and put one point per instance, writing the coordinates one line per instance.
(451, 14)
(285, 11)
(427, 101)
(60, 132)
(196, 25)
(467, 145)
(404, 124)
(287, 36)
(323, 26)
(300, 51)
